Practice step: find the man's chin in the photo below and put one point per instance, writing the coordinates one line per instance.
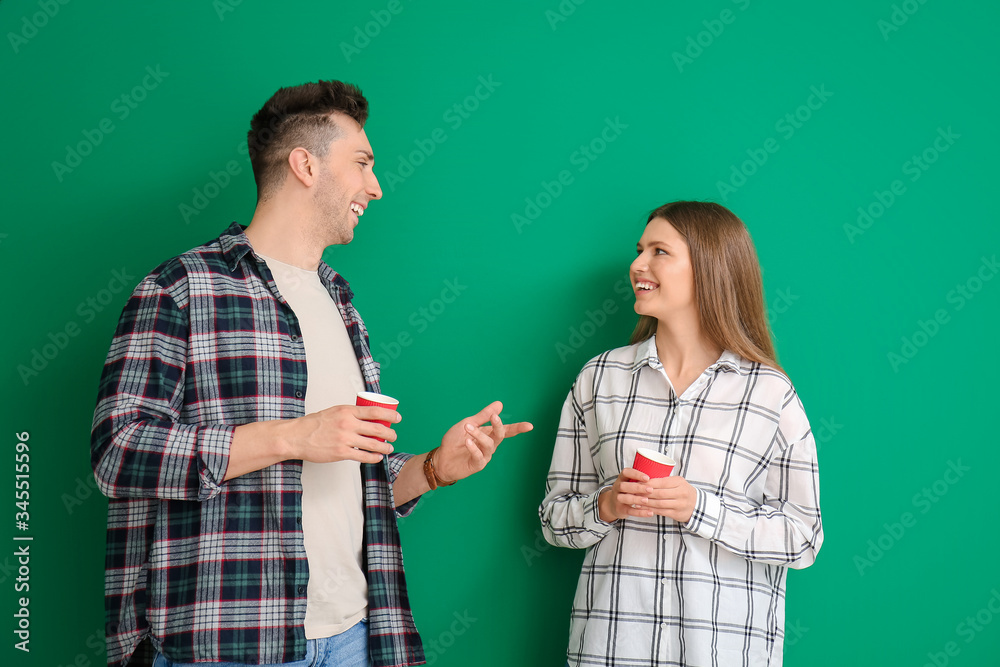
(342, 236)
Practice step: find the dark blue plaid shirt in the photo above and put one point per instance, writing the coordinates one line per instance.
(213, 570)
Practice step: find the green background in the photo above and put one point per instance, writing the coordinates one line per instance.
(485, 588)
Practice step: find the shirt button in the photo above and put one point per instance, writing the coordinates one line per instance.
(663, 581)
(301, 589)
(298, 394)
(295, 338)
(298, 520)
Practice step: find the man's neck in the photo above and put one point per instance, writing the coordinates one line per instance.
(283, 235)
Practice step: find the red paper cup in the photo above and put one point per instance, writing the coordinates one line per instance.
(653, 463)
(378, 400)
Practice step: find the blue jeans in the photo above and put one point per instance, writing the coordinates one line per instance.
(348, 649)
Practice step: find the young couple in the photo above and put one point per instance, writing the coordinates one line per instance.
(252, 513)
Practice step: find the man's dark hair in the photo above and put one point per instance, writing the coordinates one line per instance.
(299, 116)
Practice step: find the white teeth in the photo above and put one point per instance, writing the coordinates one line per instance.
(357, 209)
(642, 285)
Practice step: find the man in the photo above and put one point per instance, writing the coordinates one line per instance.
(252, 513)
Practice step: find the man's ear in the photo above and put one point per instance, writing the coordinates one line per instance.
(303, 165)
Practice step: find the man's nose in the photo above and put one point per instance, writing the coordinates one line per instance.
(372, 187)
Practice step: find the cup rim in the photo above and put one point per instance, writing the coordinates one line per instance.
(377, 398)
(656, 456)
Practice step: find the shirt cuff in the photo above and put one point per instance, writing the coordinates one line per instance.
(214, 443)
(706, 519)
(395, 462)
(592, 520)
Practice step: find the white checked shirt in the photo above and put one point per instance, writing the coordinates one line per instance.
(710, 592)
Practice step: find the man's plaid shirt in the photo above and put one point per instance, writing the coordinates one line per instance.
(212, 570)
(657, 593)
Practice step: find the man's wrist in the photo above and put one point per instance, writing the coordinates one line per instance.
(434, 480)
(282, 436)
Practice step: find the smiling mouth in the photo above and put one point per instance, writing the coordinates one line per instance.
(358, 209)
(644, 286)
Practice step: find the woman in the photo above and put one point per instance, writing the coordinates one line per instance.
(687, 569)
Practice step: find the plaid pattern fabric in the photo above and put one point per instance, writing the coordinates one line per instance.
(653, 592)
(217, 571)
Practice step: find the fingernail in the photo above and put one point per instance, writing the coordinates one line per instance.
(468, 427)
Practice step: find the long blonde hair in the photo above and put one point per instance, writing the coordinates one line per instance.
(727, 282)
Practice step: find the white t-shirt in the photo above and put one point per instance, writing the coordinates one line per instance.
(332, 515)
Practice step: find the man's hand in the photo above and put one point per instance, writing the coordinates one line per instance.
(340, 433)
(672, 497)
(467, 447)
(344, 433)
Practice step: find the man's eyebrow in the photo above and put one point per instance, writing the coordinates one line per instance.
(367, 154)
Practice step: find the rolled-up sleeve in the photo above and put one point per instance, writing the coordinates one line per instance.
(139, 447)
(786, 529)
(569, 513)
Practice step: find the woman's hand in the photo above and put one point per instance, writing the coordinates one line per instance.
(671, 497)
(626, 497)
(635, 494)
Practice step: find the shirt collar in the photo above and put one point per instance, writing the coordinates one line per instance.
(645, 355)
(236, 246)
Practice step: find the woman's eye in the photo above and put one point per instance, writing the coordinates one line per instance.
(660, 251)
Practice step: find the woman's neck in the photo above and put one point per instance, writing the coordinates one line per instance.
(685, 352)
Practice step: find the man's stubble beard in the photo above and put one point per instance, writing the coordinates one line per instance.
(333, 225)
